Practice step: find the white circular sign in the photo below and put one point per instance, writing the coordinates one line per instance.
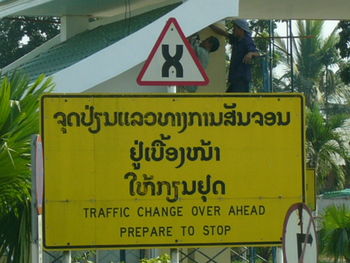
(299, 235)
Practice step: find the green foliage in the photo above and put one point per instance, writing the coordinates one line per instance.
(313, 57)
(19, 120)
(83, 257)
(344, 48)
(326, 147)
(12, 30)
(344, 39)
(165, 258)
(263, 31)
(345, 73)
(335, 233)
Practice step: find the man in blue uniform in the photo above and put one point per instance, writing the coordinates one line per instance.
(243, 51)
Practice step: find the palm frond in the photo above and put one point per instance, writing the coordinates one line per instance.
(19, 120)
(313, 57)
(326, 146)
(335, 232)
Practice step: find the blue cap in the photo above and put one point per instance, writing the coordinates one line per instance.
(242, 24)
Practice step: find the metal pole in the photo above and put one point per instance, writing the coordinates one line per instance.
(274, 255)
(67, 257)
(279, 255)
(34, 239)
(37, 173)
(155, 252)
(142, 253)
(122, 255)
(97, 256)
(291, 56)
(271, 51)
(174, 252)
(252, 254)
(40, 239)
(266, 77)
(175, 255)
(272, 57)
(172, 89)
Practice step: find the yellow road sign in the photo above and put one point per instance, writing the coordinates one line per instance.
(310, 188)
(133, 171)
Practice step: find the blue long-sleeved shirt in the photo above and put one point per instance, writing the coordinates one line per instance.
(240, 47)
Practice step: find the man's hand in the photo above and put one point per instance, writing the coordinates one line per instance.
(248, 58)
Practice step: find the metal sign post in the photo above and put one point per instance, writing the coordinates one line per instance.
(34, 240)
(67, 257)
(172, 89)
(175, 255)
(174, 252)
(37, 192)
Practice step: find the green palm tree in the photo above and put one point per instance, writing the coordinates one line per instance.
(19, 120)
(335, 233)
(326, 148)
(313, 57)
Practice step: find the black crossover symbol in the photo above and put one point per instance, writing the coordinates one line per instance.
(172, 61)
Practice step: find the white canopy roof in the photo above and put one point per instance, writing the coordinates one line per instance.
(258, 9)
(295, 9)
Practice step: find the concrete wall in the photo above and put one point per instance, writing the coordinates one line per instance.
(216, 70)
(323, 203)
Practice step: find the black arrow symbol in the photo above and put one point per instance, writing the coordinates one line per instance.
(303, 238)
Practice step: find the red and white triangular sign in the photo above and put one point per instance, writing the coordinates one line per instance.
(172, 61)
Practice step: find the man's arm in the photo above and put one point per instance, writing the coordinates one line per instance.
(219, 31)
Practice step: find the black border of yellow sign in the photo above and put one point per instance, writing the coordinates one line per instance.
(154, 96)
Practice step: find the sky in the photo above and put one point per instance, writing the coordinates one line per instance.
(329, 27)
